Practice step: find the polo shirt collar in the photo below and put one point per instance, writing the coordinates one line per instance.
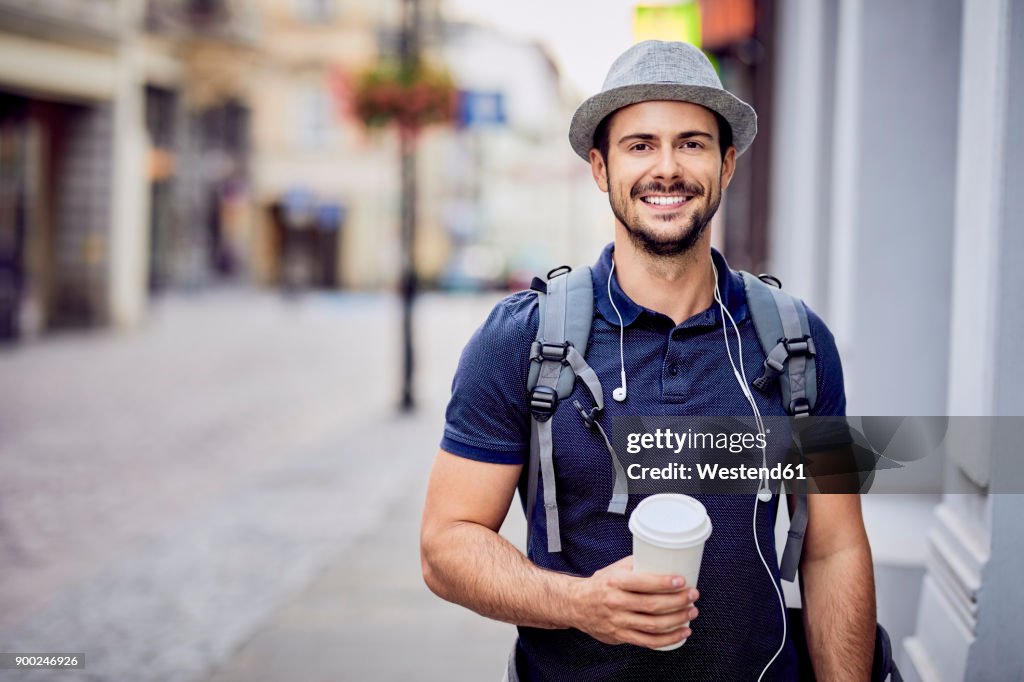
(729, 283)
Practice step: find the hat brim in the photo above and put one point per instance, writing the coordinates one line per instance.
(739, 114)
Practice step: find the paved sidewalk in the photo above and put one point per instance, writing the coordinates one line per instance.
(370, 617)
(165, 495)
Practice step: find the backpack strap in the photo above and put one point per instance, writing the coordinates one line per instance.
(780, 321)
(566, 312)
(785, 334)
(795, 539)
(551, 378)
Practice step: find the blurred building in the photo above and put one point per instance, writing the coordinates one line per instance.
(156, 144)
(197, 56)
(499, 193)
(896, 212)
(518, 200)
(67, 104)
(312, 158)
(123, 155)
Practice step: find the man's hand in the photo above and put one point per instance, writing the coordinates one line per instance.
(618, 606)
(465, 561)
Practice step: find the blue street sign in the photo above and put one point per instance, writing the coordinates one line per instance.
(478, 109)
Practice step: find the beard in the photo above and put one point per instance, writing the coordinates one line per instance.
(663, 243)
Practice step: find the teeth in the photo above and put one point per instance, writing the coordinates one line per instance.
(664, 201)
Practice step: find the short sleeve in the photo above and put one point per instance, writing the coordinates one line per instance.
(831, 400)
(487, 417)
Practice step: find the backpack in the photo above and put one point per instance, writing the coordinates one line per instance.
(566, 309)
(565, 303)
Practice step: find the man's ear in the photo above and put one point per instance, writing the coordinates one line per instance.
(728, 166)
(599, 170)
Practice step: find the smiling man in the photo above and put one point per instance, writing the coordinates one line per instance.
(645, 128)
(662, 139)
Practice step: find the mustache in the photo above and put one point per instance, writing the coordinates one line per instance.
(675, 188)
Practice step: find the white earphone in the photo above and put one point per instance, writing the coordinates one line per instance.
(619, 394)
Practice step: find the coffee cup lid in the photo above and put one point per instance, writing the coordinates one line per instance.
(671, 521)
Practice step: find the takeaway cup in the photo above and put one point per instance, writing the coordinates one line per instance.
(669, 532)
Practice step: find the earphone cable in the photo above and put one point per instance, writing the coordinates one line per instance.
(741, 378)
(622, 330)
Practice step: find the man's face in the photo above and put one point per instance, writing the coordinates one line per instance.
(664, 173)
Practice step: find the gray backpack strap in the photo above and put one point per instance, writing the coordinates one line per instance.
(780, 321)
(620, 490)
(795, 540)
(533, 472)
(569, 320)
(785, 334)
(566, 313)
(545, 453)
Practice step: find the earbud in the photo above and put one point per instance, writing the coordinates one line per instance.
(764, 495)
(620, 393)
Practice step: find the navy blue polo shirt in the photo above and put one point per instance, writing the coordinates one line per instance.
(672, 370)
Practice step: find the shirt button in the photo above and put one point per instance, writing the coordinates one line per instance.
(673, 370)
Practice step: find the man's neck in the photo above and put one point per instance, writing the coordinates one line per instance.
(678, 286)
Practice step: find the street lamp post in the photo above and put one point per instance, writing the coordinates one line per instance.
(408, 50)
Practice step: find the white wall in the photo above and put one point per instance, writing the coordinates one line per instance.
(923, 280)
(863, 194)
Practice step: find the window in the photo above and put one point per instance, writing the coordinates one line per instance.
(314, 117)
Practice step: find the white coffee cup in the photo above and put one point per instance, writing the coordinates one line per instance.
(669, 532)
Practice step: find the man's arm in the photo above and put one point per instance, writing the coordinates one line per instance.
(838, 587)
(466, 561)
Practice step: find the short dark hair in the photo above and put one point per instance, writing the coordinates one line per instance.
(601, 134)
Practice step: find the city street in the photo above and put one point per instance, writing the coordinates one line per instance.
(208, 208)
(228, 494)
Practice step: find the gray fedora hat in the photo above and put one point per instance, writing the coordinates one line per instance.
(659, 70)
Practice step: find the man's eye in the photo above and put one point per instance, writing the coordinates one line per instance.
(640, 147)
(692, 144)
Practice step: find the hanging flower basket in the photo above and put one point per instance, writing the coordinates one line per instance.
(412, 98)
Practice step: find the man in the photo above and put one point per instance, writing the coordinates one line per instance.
(662, 140)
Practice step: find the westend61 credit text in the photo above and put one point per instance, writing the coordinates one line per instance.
(716, 472)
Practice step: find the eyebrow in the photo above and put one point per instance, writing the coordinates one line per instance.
(648, 137)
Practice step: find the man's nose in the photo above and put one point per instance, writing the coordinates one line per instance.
(667, 164)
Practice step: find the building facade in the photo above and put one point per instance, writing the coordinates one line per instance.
(896, 214)
(65, 95)
(118, 153)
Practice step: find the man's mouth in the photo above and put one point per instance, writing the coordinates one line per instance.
(666, 201)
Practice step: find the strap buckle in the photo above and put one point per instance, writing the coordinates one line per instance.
(551, 352)
(775, 362)
(774, 365)
(543, 402)
(588, 415)
(799, 407)
(803, 345)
